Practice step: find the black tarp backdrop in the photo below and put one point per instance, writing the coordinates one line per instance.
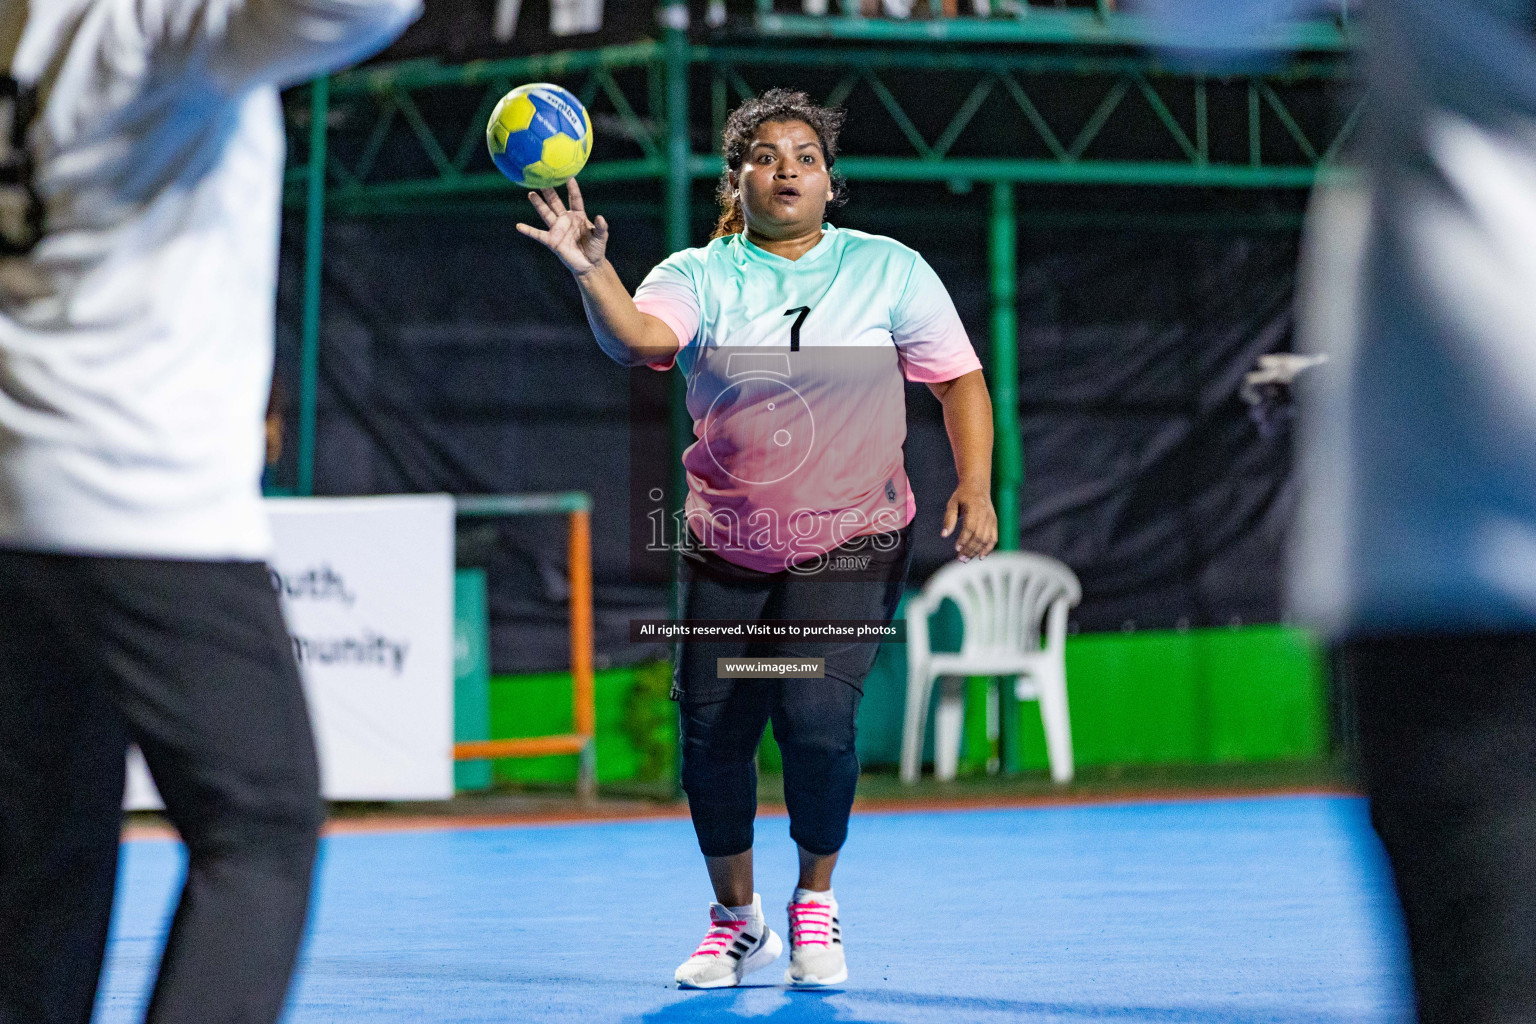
(455, 358)
(457, 30)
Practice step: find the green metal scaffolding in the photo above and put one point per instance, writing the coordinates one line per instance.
(1103, 52)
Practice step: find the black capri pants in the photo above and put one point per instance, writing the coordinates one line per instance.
(813, 719)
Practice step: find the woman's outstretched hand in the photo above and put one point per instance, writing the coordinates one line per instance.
(579, 242)
(627, 335)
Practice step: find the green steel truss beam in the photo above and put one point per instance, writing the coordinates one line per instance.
(1049, 26)
(1147, 124)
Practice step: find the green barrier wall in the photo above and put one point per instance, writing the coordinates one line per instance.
(1207, 696)
(1199, 696)
(1204, 696)
(636, 723)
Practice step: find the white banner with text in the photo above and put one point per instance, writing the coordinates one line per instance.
(366, 586)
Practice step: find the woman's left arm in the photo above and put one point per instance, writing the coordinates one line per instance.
(968, 419)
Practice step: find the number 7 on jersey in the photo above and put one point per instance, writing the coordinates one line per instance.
(794, 330)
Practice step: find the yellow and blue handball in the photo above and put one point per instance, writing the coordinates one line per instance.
(539, 135)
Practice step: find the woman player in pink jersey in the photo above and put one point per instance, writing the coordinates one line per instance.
(796, 338)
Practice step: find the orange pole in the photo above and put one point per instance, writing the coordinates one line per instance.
(582, 698)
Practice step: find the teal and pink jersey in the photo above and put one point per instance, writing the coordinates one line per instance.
(795, 374)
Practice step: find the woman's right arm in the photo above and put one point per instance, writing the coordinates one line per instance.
(627, 335)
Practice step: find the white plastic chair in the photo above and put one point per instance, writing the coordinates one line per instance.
(1009, 602)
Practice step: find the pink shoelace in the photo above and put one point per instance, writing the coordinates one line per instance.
(810, 924)
(719, 937)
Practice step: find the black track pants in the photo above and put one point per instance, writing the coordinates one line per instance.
(191, 661)
(1448, 749)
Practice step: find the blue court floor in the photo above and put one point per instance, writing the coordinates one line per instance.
(1246, 911)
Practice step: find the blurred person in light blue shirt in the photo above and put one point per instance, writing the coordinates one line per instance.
(1415, 548)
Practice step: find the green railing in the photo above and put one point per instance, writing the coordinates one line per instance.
(1149, 125)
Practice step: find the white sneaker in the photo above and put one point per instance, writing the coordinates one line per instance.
(734, 947)
(815, 941)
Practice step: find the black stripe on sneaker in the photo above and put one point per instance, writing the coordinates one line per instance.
(733, 954)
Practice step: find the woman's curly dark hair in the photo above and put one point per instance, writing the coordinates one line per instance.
(775, 105)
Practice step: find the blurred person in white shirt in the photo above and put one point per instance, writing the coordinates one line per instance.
(139, 216)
